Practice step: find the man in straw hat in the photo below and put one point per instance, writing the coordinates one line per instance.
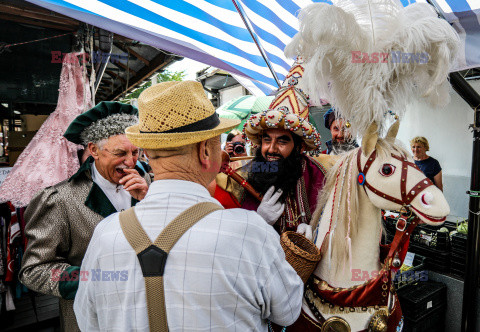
(281, 171)
(60, 219)
(223, 273)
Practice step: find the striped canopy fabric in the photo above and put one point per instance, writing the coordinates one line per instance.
(243, 37)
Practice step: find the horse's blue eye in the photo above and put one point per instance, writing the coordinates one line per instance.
(387, 169)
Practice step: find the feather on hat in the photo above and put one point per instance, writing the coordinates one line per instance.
(370, 56)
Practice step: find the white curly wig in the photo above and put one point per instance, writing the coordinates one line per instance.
(112, 125)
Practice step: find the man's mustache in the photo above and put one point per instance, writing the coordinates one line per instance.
(275, 155)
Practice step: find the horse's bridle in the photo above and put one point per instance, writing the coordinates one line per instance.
(407, 196)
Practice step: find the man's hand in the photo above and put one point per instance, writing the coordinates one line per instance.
(271, 208)
(134, 184)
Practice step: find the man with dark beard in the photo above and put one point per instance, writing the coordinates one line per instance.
(278, 171)
(288, 179)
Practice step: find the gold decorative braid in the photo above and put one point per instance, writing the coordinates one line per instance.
(329, 308)
(303, 197)
(311, 320)
(323, 285)
(139, 240)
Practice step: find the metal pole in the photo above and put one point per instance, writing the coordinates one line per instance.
(105, 42)
(260, 48)
(470, 286)
(11, 118)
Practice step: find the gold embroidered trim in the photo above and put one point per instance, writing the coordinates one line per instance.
(328, 308)
(323, 285)
(311, 320)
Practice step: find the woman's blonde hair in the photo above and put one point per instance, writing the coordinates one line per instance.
(421, 140)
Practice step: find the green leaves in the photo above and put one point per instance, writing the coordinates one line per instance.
(164, 76)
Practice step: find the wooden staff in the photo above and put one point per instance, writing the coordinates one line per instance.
(241, 158)
(238, 178)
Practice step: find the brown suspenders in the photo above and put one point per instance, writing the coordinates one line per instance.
(153, 256)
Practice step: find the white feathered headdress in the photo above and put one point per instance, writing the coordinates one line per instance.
(370, 57)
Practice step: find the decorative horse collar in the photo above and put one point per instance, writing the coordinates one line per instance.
(407, 196)
(371, 296)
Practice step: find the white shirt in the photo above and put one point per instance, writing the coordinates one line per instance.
(119, 197)
(226, 273)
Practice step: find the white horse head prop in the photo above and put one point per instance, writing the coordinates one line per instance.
(396, 182)
(379, 175)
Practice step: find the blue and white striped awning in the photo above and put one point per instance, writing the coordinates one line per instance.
(213, 32)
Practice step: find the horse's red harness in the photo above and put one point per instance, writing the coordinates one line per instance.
(407, 196)
(375, 290)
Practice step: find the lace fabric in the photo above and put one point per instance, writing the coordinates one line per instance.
(49, 158)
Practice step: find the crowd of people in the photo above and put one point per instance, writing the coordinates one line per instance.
(100, 240)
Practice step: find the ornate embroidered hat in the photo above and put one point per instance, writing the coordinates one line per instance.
(106, 119)
(174, 114)
(289, 110)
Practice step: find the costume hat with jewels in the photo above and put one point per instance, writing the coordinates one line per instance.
(174, 114)
(289, 110)
(107, 118)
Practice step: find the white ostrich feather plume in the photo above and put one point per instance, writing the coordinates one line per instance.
(363, 92)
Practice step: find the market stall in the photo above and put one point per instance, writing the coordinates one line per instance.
(40, 90)
(206, 33)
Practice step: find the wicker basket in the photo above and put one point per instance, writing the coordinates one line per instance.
(302, 254)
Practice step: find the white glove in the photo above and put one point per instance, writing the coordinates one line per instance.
(305, 230)
(271, 208)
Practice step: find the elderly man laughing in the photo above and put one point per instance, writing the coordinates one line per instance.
(60, 219)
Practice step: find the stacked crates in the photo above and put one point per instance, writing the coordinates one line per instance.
(423, 305)
(459, 254)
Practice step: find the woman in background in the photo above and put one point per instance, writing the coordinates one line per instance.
(428, 165)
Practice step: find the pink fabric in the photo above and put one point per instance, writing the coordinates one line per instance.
(49, 158)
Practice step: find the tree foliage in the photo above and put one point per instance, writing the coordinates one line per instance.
(167, 75)
(164, 76)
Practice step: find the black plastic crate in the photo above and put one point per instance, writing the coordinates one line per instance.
(459, 243)
(389, 225)
(415, 274)
(423, 235)
(460, 250)
(418, 300)
(460, 238)
(457, 272)
(434, 320)
(430, 236)
(457, 266)
(456, 258)
(436, 260)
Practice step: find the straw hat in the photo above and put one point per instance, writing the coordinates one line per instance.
(173, 114)
(289, 111)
